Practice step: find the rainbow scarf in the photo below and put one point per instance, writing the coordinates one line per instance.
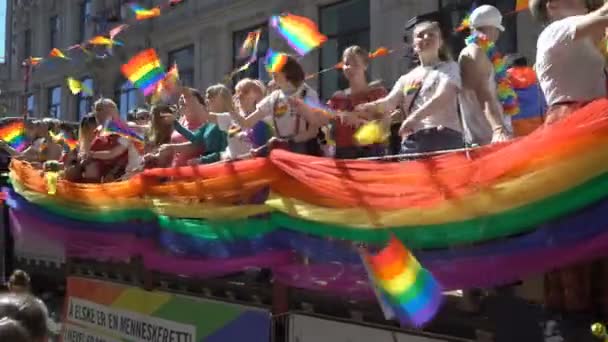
(14, 135)
(405, 289)
(506, 94)
(301, 33)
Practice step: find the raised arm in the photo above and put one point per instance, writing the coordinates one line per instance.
(593, 24)
(385, 105)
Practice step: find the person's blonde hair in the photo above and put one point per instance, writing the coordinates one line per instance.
(104, 103)
(224, 93)
(247, 84)
(357, 51)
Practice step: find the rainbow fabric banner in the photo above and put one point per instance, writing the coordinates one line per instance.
(144, 71)
(301, 33)
(411, 291)
(494, 215)
(130, 314)
(13, 133)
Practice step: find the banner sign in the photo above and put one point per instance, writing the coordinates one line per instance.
(99, 311)
(312, 329)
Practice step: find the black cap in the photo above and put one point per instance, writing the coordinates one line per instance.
(431, 16)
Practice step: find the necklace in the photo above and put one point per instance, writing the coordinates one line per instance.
(506, 94)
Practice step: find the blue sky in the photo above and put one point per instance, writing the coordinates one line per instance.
(2, 29)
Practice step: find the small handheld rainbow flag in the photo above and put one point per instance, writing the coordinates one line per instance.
(104, 41)
(301, 33)
(404, 288)
(61, 138)
(33, 61)
(13, 133)
(521, 5)
(144, 71)
(319, 108)
(115, 127)
(142, 13)
(275, 61)
(250, 45)
(167, 86)
(57, 53)
(77, 87)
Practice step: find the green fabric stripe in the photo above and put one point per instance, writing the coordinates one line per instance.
(218, 230)
(511, 222)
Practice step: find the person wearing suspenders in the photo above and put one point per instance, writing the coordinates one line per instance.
(429, 95)
(295, 126)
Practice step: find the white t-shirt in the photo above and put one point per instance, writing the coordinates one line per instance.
(238, 141)
(427, 79)
(135, 159)
(277, 109)
(569, 70)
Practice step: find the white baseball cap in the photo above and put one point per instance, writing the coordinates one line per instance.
(486, 15)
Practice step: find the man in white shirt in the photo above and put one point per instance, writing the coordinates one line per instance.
(569, 64)
(484, 120)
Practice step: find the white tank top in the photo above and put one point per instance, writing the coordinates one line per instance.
(477, 129)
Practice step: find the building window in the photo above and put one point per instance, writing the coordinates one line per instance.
(257, 70)
(85, 102)
(54, 101)
(85, 15)
(127, 98)
(345, 23)
(54, 28)
(31, 105)
(453, 11)
(184, 58)
(27, 44)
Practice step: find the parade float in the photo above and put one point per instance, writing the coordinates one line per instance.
(474, 218)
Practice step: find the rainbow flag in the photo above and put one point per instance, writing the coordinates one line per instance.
(521, 5)
(33, 61)
(319, 107)
(142, 13)
(115, 127)
(61, 139)
(77, 87)
(144, 71)
(250, 45)
(101, 40)
(404, 288)
(13, 134)
(57, 53)
(166, 88)
(301, 33)
(275, 61)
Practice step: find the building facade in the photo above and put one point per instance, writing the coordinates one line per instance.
(203, 37)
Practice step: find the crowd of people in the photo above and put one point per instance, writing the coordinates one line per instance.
(444, 103)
